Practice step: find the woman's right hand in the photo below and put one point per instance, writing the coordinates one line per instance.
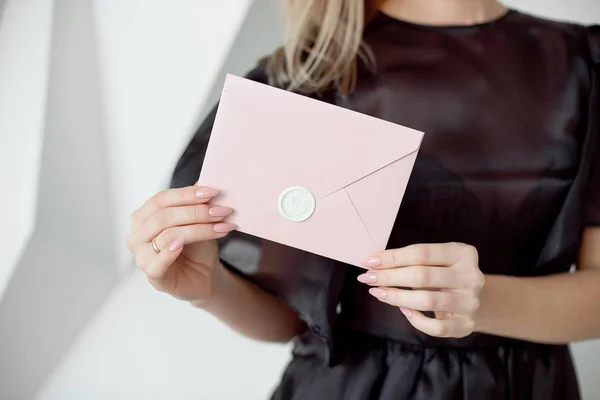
(184, 228)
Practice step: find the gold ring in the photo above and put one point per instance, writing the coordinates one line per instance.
(154, 246)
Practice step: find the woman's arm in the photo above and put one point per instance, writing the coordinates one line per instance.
(249, 310)
(551, 309)
(445, 278)
(174, 239)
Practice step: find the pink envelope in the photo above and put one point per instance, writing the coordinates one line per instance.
(305, 173)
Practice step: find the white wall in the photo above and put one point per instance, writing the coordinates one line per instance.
(55, 143)
(147, 346)
(77, 165)
(160, 67)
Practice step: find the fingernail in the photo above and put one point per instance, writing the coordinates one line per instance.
(219, 211)
(406, 311)
(372, 262)
(224, 227)
(369, 277)
(206, 193)
(176, 246)
(379, 293)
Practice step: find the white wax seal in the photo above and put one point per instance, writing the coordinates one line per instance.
(296, 204)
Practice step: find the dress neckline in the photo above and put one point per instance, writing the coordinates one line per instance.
(486, 24)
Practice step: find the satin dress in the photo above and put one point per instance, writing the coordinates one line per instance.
(510, 163)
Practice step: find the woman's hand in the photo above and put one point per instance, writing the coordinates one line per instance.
(183, 228)
(444, 278)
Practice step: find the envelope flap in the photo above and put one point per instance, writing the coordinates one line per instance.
(262, 132)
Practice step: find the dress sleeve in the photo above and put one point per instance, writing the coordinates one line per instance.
(308, 283)
(592, 209)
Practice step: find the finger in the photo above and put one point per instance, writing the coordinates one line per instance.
(178, 216)
(144, 256)
(412, 277)
(192, 234)
(172, 198)
(449, 327)
(425, 300)
(157, 268)
(438, 254)
(154, 265)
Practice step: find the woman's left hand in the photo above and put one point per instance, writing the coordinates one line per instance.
(444, 278)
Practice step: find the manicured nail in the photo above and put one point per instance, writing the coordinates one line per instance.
(206, 193)
(369, 277)
(224, 227)
(379, 293)
(219, 211)
(372, 262)
(176, 246)
(406, 311)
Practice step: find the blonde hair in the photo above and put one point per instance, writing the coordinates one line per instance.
(323, 44)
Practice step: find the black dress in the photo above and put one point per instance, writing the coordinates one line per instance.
(509, 164)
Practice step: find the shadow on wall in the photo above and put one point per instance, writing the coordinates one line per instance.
(2, 6)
